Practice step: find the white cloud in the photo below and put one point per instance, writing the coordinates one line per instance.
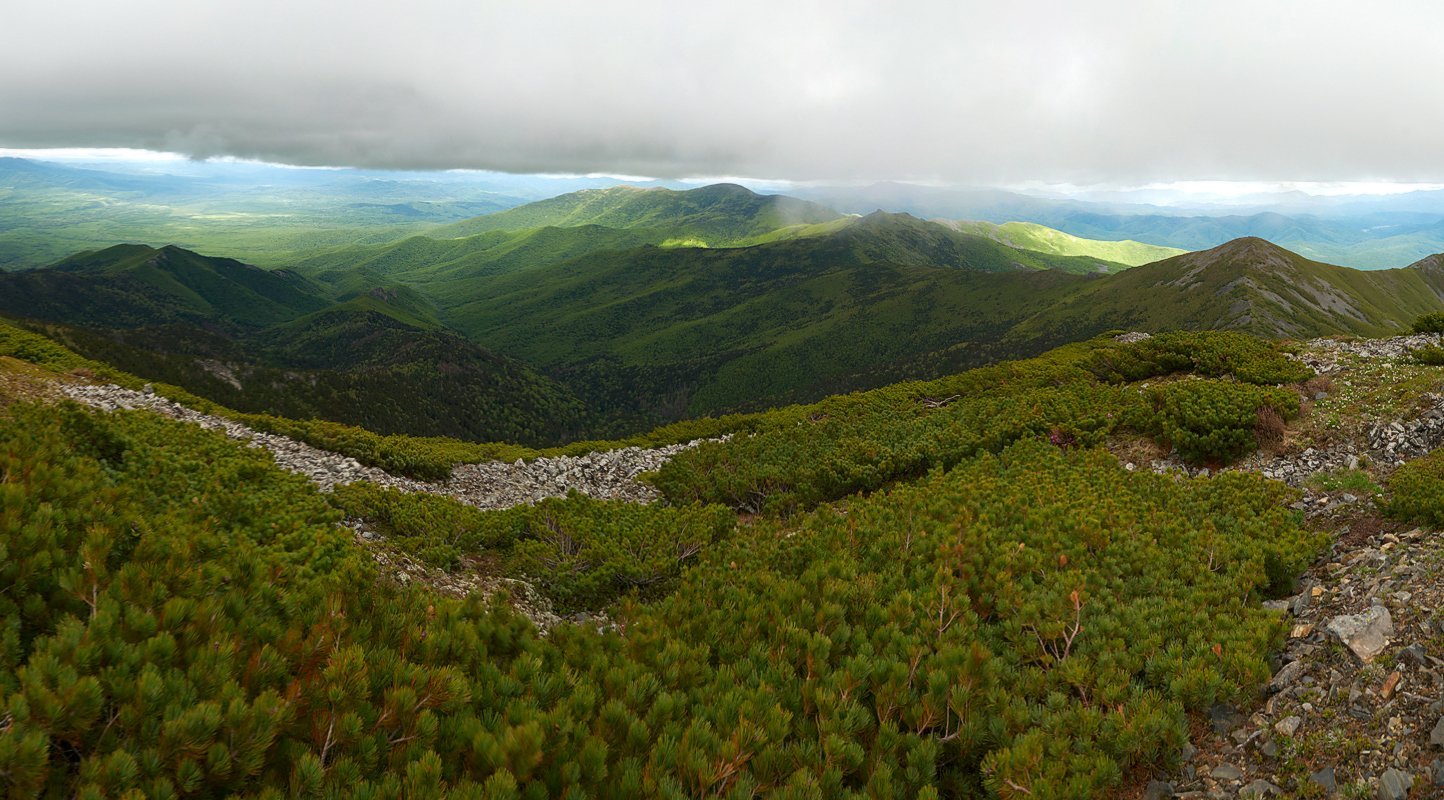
(1124, 92)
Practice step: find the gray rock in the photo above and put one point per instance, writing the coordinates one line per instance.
(1324, 779)
(1414, 655)
(1158, 790)
(1366, 634)
(1226, 772)
(1395, 785)
(1287, 676)
(1288, 726)
(1260, 788)
(1436, 737)
(1436, 771)
(1224, 718)
(607, 474)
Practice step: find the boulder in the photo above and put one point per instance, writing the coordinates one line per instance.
(1366, 634)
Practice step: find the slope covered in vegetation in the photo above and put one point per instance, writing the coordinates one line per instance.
(1040, 238)
(1027, 618)
(716, 215)
(1250, 285)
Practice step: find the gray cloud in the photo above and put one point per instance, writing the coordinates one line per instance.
(969, 92)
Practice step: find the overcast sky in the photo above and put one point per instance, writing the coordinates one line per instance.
(964, 92)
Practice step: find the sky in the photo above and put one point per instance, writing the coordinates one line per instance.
(1103, 93)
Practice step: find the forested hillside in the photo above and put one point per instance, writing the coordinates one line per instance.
(1251, 285)
(613, 317)
(274, 342)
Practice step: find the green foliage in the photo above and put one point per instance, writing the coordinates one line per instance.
(1042, 239)
(27, 346)
(187, 619)
(584, 554)
(1418, 490)
(864, 441)
(1212, 354)
(1429, 323)
(1214, 421)
(1345, 480)
(1431, 355)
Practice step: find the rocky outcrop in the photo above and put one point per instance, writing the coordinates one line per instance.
(607, 474)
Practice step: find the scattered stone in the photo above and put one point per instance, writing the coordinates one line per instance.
(1287, 676)
(1436, 737)
(1395, 785)
(1324, 779)
(605, 474)
(1436, 771)
(1288, 726)
(1224, 718)
(1414, 655)
(1391, 683)
(1260, 788)
(1226, 772)
(1365, 634)
(1158, 790)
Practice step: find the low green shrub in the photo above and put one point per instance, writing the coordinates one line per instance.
(1216, 421)
(180, 617)
(585, 554)
(1431, 355)
(1417, 491)
(1430, 323)
(1211, 354)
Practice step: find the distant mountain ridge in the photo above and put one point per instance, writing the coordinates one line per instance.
(130, 285)
(1042, 239)
(716, 215)
(273, 341)
(610, 330)
(1253, 285)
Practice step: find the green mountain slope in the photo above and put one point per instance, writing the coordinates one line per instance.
(714, 215)
(422, 259)
(1250, 285)
(271, 341)
(741, 327)
(129, 285)
(357, 363)
(1042, 239)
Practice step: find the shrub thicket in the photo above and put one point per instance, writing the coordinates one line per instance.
(584, 554)
(1212, 354)
(182, 618)
(1212, 421)
(1418, 490)
(864, 441)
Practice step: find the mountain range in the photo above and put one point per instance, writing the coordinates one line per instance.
(274, 216)
(609, 311)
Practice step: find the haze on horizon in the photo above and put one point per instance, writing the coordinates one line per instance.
(1111, 94)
